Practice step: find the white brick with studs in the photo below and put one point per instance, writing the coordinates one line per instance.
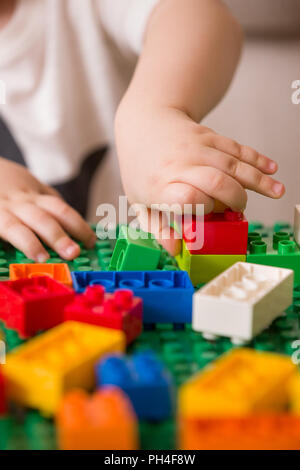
(242, 301)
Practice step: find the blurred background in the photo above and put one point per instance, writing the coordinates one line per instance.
(258, 109)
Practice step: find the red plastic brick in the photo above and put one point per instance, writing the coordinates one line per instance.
(2, 395)
(225, 233)
(120, 310)
(59, 272)
(32, 305)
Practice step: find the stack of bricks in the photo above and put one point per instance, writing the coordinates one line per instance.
(241, 403)
(167, 295)
(225, 239)
(119, 311)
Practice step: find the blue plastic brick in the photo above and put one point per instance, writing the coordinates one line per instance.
(167, 295)
(143, 379)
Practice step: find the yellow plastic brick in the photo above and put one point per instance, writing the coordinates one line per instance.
(204, 268)
(41, 371)
(242, 381)
(294, 394)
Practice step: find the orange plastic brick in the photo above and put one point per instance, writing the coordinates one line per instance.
(104, 421)
(59, 272)
(256, 432)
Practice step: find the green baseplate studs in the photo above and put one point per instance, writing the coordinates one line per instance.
(274, 247)
(183, 351)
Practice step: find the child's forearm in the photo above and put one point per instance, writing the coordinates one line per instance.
(191, 50)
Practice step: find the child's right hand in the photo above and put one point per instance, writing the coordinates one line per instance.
(30, 210)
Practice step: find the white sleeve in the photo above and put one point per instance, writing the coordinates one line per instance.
(125, 21)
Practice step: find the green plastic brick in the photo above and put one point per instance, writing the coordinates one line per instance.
(135, 250)
(274, 249)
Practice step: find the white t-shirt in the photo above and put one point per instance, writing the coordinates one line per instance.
(65, 65)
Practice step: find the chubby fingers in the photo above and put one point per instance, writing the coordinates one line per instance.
(68, 218)
(47, 228)
(244, 153)
(216, 184)
(49, 219)
(14, 231)
(247, 175)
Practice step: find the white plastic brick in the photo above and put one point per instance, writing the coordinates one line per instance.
(242, 301)
(297, 224)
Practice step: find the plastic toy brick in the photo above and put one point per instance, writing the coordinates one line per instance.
(59, 272)
(167, 295)
(144, 380)
(255, 432)
(33, 305)
(104, 421)
(120, 311)
(275, 249)
(2, 394)
(39, 372)
(204, 268)
(294, 394)
(297, 224)
(135, 250)
(242, 301)
(241, 382)
(225, 233)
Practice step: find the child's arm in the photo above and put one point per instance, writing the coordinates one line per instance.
(191, 50)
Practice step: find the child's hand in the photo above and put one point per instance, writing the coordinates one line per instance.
(167, 158)
(30, 209)
(190, 52)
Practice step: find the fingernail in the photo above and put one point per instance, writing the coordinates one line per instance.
(277, 188)
(66, 248)
(71, 251)
(272, 166)
(42, 258)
